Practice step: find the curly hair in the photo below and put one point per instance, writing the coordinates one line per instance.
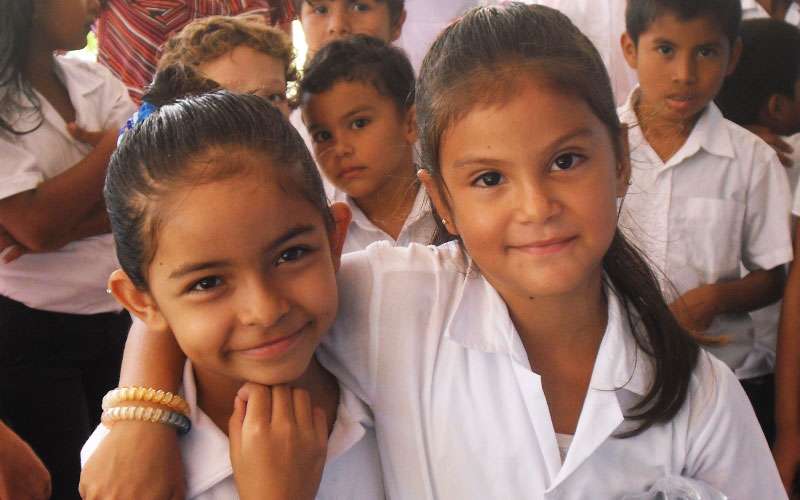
(210, 37)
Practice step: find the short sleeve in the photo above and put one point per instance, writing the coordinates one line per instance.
(796, 203)
(727, 448)
(767, 237)
(351, 348)
(116, 103)
(20, 170)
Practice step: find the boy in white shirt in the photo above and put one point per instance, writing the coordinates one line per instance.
(357, 102)
(706, 196)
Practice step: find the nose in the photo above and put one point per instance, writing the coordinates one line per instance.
(536, 203)
(339, 23)
(685, 70)
(342, 148)
(261, 304)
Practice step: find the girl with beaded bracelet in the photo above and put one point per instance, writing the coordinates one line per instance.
(226, 240)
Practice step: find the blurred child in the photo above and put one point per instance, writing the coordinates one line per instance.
(535, 357)
(227, 242)
(357, 97)
(61, 334)
(707, 196)
(241, 54)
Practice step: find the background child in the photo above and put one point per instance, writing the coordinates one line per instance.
(189, 191)
(357, 97)
(241, 54)
(61, 334)
(555, 342)
(707, 196)
(762, 94)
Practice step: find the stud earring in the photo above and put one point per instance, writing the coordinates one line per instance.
(444, 222)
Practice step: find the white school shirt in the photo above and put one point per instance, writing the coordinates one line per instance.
(419, 226)
(460, 414)
(720, 202)
(73, 278)
(751, 9)
(603, 22)
(352, 469)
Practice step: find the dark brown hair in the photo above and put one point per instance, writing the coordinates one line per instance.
(478, 61)
(396, 8)
(157, 156)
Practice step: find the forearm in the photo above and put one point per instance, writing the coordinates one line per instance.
(95, 223)
(40, 218)
(756, 290)
(152, 359)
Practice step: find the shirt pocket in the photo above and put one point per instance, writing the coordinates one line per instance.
(707, 239)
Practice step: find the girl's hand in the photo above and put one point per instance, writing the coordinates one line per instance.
(278, 443)
(10, 249)
(136, 460)
(787, 456)
(22, 475)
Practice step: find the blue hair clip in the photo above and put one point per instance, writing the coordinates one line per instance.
(145, 110)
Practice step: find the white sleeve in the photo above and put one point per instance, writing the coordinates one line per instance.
(20, 169)
(116, 103)
(796, 203)
(767, 238)
(92, 443)
(727, 448)
(350, 349)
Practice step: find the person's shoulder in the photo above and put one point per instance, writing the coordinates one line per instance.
(83, 69)
(415, 257)
(747, 146)
(711, 386)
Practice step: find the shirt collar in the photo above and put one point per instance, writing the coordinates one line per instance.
(420, 209)
(709, 133)
(481, 322)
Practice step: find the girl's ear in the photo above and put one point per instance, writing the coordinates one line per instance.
(139, 302)
(439, 203)
(623, 163)
(341, 221)
(628, 49)
(411, 125)
(774, 107)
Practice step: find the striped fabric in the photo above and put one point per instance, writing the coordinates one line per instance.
(130, 33)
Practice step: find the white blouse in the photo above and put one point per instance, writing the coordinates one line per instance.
(460, 414)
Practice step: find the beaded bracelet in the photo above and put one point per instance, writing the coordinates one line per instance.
(147, 414)
(168, 399)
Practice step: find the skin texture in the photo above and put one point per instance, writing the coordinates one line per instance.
(537, 217)
(23, 476)
(245, 70)
(327, 20)
(363, 143)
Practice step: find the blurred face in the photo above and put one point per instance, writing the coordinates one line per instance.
(531, 188)
(785, 112)
(327, 20)
(244, 276)
(362, 142)
(681, 65)
(64, 24)
(245, 70)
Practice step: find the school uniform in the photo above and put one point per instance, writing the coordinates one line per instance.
(61, 334)
(419, 227)
(352, 469)
(459, 412)
(720, 202)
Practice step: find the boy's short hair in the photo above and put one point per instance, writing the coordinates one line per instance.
(361, 58)
(396, 8)
(769, 65)
(640, 14)
(208, 38)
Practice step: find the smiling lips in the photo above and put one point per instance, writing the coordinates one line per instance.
(545, 247)
(273, 348)
(350, 172)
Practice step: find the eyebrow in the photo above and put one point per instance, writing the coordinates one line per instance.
(482, 160)
(315, 126)
(193, 267)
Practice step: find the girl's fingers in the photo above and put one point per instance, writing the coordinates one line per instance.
(259, 405)
(302, 409)
(321, 426)
(282, 410)
(235, 426)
